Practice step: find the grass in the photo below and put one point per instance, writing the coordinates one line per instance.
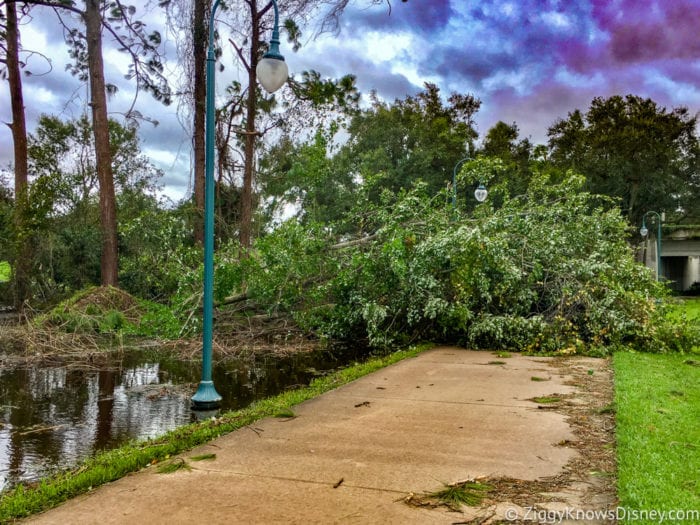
(113, 464)
(203, 457)
(173, 466)
(685, 313)
(690, 307)
(470, 493)
(544, 400)
(284, 412)
(658, 437)
(5, 271)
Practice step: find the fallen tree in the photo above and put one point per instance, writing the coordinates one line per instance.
(549, 271)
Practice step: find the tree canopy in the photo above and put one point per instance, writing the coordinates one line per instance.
(630, 148)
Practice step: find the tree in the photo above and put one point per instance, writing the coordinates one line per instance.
(550, 272)
(305, 178)
(62, 158)
(146, 67)
(501, 141)
(64, 196)
(631, 149)
(22, 253)
(418, 138)
(191, 25)
(108, 206)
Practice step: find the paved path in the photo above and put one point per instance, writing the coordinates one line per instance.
(442, 417)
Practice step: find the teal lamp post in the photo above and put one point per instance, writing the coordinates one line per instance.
(480, 193)
(272, 73)
(644, 231)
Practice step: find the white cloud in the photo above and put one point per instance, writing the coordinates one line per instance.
(556, 19)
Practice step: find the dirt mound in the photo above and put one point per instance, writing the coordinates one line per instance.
(94, 310)
(102, 299)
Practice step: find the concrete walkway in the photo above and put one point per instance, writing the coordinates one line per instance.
(354, 454)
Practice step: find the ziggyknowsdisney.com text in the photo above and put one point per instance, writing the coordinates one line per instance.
(538, 515)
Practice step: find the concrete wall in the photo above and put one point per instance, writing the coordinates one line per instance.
(680, 260)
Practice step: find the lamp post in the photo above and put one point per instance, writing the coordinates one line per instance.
(644, 231)
(480, 193)
(272, 73)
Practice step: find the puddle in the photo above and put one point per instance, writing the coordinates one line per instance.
(51, 418)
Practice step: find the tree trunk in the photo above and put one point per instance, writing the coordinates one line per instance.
(246, 216)
(103, 156)
(634, 187)
(22, 252)
(200, 36)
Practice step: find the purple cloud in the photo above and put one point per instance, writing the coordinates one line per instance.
(638, 32)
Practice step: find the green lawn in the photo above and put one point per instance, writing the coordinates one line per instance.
(4, 271)
(688, 306)
(657, 398)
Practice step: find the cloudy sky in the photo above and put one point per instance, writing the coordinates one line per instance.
(529, 61)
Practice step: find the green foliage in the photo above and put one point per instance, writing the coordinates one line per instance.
(63, 225)
(157, 321)
(99, 310)
(5, 271)
(308, 180)
(154, 250)
(501, 142)
(682, 329)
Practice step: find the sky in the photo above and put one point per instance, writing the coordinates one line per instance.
(529, 61)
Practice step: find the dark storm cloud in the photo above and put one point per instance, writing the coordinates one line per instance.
(498, 38)
(680, 72)
(639, 32)
(477, 66)
(416, 15)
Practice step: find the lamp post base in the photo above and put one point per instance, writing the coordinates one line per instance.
(206, 397)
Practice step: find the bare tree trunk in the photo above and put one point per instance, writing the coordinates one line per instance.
(246, 224)
(103, 156)
(200, 36)
(22, 259)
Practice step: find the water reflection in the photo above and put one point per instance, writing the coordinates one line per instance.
(51, 418)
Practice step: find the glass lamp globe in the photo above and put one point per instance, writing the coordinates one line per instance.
(272, 73)
(481, 193)
(643, 231)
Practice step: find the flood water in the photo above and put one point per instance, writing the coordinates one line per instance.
(52, 417)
